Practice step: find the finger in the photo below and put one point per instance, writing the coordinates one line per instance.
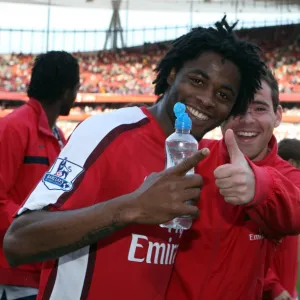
(229, 192)
(189, 210)
(224, 183)
(191, 181)
(191, 194)
(224, 171)
(232, 200)
(183, 167)
(236, 156)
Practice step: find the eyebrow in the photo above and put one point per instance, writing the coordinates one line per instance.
(261, 102)
(228, 88)
(199, 72)
(205, 75)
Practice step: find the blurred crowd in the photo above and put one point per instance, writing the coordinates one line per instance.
(130, 71)
(121, 72)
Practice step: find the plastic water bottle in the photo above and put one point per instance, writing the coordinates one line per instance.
(179, 146)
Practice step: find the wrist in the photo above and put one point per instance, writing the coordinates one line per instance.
(128, 210)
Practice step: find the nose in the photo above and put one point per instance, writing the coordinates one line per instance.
(247, 117)
(206, 100)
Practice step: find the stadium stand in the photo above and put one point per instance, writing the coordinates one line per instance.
(128, 72)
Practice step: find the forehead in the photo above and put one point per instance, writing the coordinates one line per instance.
(213, 63)
(264, 95)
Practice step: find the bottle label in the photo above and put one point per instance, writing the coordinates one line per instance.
(171, 162)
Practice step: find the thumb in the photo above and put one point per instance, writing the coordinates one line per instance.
(236, 156)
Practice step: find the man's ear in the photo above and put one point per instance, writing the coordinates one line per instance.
(171, 76)
(278, 116)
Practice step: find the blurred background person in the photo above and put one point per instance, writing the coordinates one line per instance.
(30, 141)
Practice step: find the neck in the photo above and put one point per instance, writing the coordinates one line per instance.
(262, 154)
(52, 113)
(159, 112)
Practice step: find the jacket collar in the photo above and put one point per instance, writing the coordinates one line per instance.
(43, 124)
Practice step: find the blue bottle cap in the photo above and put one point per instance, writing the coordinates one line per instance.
(183, 120)
(179, 109)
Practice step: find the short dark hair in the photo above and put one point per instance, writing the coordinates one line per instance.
(222, 40)
(270, 79)
(52, 74)
(289, 149)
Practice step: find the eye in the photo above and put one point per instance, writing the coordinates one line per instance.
(197, 81)
(223, 95)
(260, 109)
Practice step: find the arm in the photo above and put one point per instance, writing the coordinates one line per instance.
(43, 235)
(12, 150)
(276, 204)
(270, 198)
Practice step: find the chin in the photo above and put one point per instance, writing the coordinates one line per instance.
(198, 135)
(250, 155)
(64, 112)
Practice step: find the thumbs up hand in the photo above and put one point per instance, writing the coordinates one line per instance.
(236, 181)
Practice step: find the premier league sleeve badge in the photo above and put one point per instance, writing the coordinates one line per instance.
(62, 175)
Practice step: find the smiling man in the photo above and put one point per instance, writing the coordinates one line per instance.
(254, 130)
(98, 222)
(225, 254)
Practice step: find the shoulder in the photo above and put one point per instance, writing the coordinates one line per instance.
(285, 168)
(289, 172)
(16, 123)
(108, 125)
(93, 136)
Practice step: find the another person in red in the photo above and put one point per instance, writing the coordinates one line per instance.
(100, 223)
(280, 282)
(224, 254)
(29, 144)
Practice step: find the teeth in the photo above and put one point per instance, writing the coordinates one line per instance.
(197, 114)
(246, 133)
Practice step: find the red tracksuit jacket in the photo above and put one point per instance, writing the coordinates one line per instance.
(282, 275)
(223, 255)
(27, 149)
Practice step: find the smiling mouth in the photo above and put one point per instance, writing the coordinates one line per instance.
(246, 134)
(197, 114)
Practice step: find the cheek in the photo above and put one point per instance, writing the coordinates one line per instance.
(224, 110)
(181, 93)
(230, 124)
(269, 127)
(184, 89)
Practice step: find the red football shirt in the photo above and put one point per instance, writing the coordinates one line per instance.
(107, 156)
(223, 255)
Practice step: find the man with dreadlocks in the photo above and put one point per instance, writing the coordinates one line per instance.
(100, 223)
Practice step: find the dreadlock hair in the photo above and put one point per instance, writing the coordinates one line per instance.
(222, 40)
(52, 74)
